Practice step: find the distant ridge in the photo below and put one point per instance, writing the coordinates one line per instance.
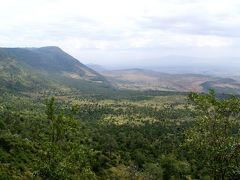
(144, 79)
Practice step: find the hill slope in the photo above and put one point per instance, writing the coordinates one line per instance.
(43, 68)
(140, 79)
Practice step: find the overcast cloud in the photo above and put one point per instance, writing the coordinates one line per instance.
(104, 31)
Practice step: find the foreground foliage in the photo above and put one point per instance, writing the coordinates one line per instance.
(214, 141)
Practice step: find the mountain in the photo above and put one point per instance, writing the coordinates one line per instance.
(49, 69)
(180, 64)
(27, 69)
(142, 79)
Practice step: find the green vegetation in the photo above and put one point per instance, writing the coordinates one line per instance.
(161, 136)
(214, 140)
(41, 69)
(61, 120)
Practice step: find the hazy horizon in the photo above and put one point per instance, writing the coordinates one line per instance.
(125, 32)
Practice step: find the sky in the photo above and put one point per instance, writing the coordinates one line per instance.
(124, 31)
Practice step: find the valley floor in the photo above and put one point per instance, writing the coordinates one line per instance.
(136, 135)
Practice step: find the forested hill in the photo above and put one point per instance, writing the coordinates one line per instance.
(46, 67)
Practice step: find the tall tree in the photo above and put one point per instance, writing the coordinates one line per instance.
(214, 141)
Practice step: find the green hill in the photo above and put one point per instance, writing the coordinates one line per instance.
(28, 69)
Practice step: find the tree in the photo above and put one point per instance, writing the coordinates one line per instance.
(214, 141)
(63, 156)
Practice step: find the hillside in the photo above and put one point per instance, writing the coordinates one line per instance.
(140, 79)
(44, 68)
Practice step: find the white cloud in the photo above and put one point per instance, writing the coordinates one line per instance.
(114, 26)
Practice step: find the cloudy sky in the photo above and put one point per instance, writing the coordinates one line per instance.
(121, 31)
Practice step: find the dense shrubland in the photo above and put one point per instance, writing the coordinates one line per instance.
(148, 136)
